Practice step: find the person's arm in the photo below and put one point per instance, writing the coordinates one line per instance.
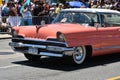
(15, 11)
(25, 10)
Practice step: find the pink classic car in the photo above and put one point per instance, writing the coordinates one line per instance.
(77, 33)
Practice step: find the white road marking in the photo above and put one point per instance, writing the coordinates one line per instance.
(11, 56)
(115, 78)
(10, 66)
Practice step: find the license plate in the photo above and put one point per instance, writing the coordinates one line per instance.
(33, 50)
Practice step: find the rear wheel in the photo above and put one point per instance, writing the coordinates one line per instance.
(79, 55)
(31, 57)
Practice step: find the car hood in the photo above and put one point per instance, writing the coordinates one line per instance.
(49, 31)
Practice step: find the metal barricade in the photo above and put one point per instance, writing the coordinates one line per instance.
(6, 23)
(37, 20)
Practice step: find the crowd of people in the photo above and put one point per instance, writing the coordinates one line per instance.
(30, 12)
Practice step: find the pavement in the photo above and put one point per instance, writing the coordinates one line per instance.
(5, 36)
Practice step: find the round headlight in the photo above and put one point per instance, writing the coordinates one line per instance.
(60, 37)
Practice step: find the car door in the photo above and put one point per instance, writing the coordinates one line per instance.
(109, 33)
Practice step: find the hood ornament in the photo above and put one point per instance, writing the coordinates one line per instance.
(38, 27)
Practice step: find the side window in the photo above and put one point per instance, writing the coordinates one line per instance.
(111, 20)
(85, 18)
(81, 18)
(93, 19)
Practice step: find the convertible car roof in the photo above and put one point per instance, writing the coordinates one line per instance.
(90, 10)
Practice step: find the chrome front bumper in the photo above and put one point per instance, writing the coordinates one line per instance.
(48, 50)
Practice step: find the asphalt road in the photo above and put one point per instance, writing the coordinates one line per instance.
(14, 66)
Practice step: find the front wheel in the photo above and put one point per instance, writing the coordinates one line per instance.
(79, 55)
(31, 57)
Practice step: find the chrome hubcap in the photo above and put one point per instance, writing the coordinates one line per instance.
(79, 55)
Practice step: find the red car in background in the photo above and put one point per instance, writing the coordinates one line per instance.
(77, 33)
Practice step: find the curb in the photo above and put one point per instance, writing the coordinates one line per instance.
(5, 36)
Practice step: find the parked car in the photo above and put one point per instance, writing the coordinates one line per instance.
(77, 33)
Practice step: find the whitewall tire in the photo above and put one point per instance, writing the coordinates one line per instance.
(79, 55)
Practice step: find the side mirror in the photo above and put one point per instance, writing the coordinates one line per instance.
(97, 25)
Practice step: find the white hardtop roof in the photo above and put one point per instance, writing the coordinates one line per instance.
(91, 10)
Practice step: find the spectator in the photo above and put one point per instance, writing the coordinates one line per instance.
(66, 5)
(3, 26)
(108, 5)
(94, 4)
(60, 6)
(117, 5)
(13, 18)
(5, 11)
(26, 15)
(37, 12)
(85, 2)
(112, 5)
(102, 5)
(46, 13)
(19, 7)
(46, 8)
(32, 5)
(52, 11)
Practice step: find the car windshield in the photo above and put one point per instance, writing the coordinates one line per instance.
(76, 17)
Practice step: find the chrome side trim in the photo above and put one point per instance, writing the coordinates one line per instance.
(107, 47)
